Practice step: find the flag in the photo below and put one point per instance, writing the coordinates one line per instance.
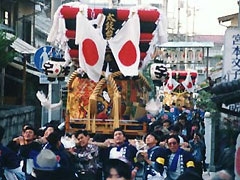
(125, 46)
(171, 83)
(92, 47)
(188, 83)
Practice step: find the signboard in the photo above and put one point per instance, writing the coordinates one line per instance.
(231, 62)
(44, 80)
(42, 55)
(232, 107)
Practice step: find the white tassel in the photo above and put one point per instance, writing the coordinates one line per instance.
(53, 32)
(45, 101)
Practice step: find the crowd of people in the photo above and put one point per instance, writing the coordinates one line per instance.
(171, 150)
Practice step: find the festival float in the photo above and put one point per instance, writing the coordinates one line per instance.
(179, 88)
(116, 67)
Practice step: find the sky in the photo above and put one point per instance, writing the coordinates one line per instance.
(202, 15)
(206, 20)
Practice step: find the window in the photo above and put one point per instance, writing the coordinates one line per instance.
(6, 18)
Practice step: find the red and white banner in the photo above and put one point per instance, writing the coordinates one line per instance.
(125, 46)
(188, 83)
(171, 84)
(92, 47)
(146, 23)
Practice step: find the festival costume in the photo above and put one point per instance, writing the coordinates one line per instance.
(178, 163)
(28, 152)
(87, 162)
(157, 155)
(10, 164)
(125, 152)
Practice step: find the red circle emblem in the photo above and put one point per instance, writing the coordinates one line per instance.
(190, 85)
(90, 52)
(127, 55)
(170, 87)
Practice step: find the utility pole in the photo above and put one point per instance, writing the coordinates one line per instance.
(24, 79)
(187, 14)
(178, 24)
(54, 6)
(34, 23)
(193, 25)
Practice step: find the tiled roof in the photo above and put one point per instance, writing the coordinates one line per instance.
(219, 39)
(228, 17)
(21, 46)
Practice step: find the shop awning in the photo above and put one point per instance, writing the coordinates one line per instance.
(21, 46)
(226, 95)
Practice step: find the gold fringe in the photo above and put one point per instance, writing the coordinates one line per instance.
(92, 105)
(116, 99)
(116, 106)
(71, 78)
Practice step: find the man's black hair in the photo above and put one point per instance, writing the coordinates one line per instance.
(24, 126)
(175, 128)
(155, 135)
(119, 129)
(183, 116)
(122, 168)
(54, 138)
(31, 128)
(174, 137)
(84, 132)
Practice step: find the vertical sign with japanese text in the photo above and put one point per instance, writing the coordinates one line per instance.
(231, 61)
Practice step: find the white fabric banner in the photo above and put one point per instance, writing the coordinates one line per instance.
(125, 46)
(171, 84)
(188, 84)
(92, 47)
